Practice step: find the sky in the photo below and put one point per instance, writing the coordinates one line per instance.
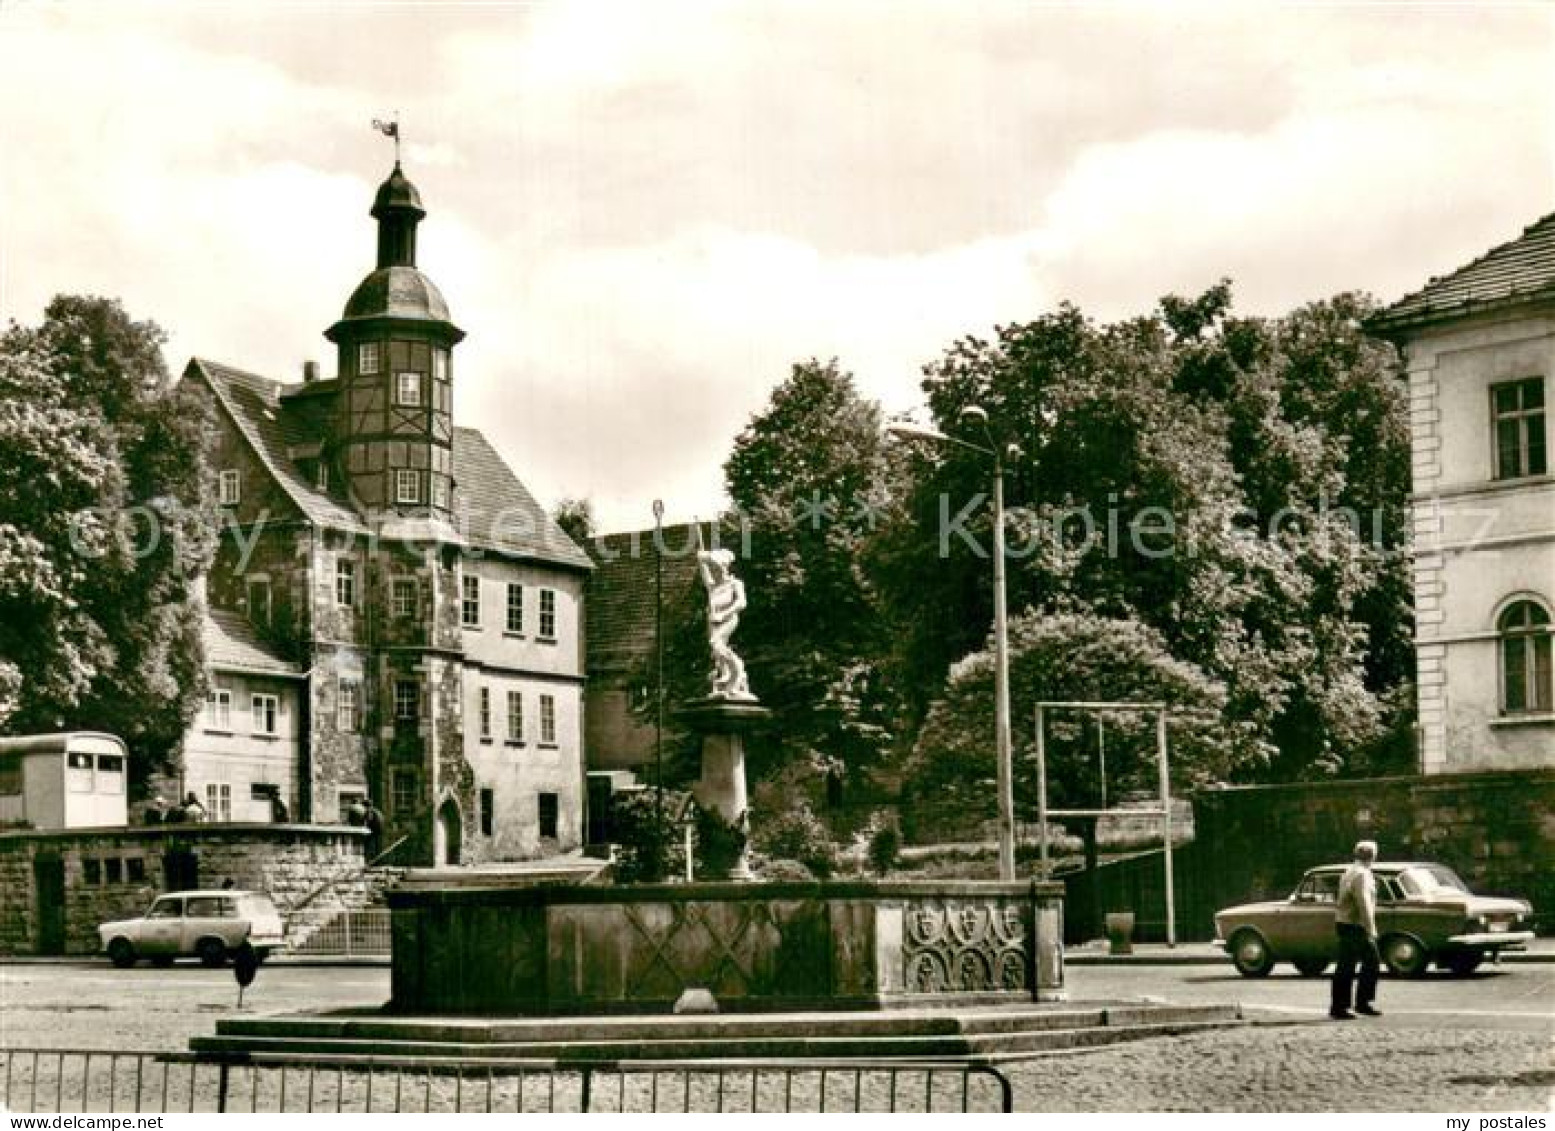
(643, 214)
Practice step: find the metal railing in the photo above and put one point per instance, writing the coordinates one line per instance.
(58, 1080)
(352, 934)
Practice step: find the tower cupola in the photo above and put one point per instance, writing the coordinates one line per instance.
(395, 340)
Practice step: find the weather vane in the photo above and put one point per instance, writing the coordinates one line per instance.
(391, 128)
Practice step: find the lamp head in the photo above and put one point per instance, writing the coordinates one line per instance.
(976, 414)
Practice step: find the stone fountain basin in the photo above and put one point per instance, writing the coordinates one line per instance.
(517, 949)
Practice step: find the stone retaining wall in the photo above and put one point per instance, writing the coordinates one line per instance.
(115, 873)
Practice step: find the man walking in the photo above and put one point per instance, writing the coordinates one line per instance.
(1355, 918)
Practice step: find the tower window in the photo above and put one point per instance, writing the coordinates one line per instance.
(404, 600)
(547, 614)
(348, 715)
(345, 582)
(407, 389)
(407, 699)
(407, 485)
(231, 487)
(1518, 408)
(440, 364)
(367, 358)
(1525, 658)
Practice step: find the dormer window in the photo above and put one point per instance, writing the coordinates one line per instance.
(407, 486)
(407, 389)
(367, 361)
(231, 482)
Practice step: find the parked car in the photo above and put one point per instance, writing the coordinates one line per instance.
(1425, 914)
(208, 925)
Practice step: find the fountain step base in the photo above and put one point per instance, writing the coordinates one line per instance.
(981, 1033)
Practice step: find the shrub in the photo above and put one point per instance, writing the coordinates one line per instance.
(648, 849)
(796, 833)
(885, 844)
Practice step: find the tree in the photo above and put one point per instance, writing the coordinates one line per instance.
(1199, 474)
(809, 475)
(106, 522)
(576, 518)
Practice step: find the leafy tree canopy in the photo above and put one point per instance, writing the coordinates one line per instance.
(105, 524)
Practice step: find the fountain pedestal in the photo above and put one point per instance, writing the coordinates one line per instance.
(723, 724)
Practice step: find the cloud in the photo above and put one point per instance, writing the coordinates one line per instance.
(644, 214)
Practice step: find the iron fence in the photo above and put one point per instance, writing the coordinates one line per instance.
(352, 934)
(58, 1080)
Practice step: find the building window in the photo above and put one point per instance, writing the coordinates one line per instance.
(407, 389)
(515, 607)
(515, 716)
(407, 699)
(218, 706)
(1525, 658)
(92, 872)
(367, 358)
(135, 869)
(547, 720)
(218, 802)
(405, 792)
(404, 598)
(110, 773)
(345, 582)
(231, 487)
(470, 604)
(440, 364)
(78, 773)
(114, 867)
(265, 708)
(488, 811)
(547, 614)
(407, 485)
(259, 600)
(348, 712)
(11, 778)
(550, 808)
(1518, 407)
(485, 714)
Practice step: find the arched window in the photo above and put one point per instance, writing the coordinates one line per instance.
(1525, 657)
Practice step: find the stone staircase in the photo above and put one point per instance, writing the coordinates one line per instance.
(326, 914)
(983, 1034)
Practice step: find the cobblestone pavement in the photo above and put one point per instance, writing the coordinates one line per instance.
(1317, 1066)
(1455, 1064)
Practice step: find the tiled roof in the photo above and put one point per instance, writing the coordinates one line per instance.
(495, 510)
(1517, 272)
(271, 426)
(231, 645)
(620, 605)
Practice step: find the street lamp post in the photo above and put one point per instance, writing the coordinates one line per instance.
(1001, 644)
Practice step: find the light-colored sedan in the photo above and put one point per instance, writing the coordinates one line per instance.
(208, 925)
(1425, 914)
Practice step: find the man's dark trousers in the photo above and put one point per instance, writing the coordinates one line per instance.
(1355, 946)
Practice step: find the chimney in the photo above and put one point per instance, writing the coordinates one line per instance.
(310, 372)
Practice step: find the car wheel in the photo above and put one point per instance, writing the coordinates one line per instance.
(1311, 967)
(1404, 956)
(1251, 954)
(1464, 963)
(212, 952)
(121, 952)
